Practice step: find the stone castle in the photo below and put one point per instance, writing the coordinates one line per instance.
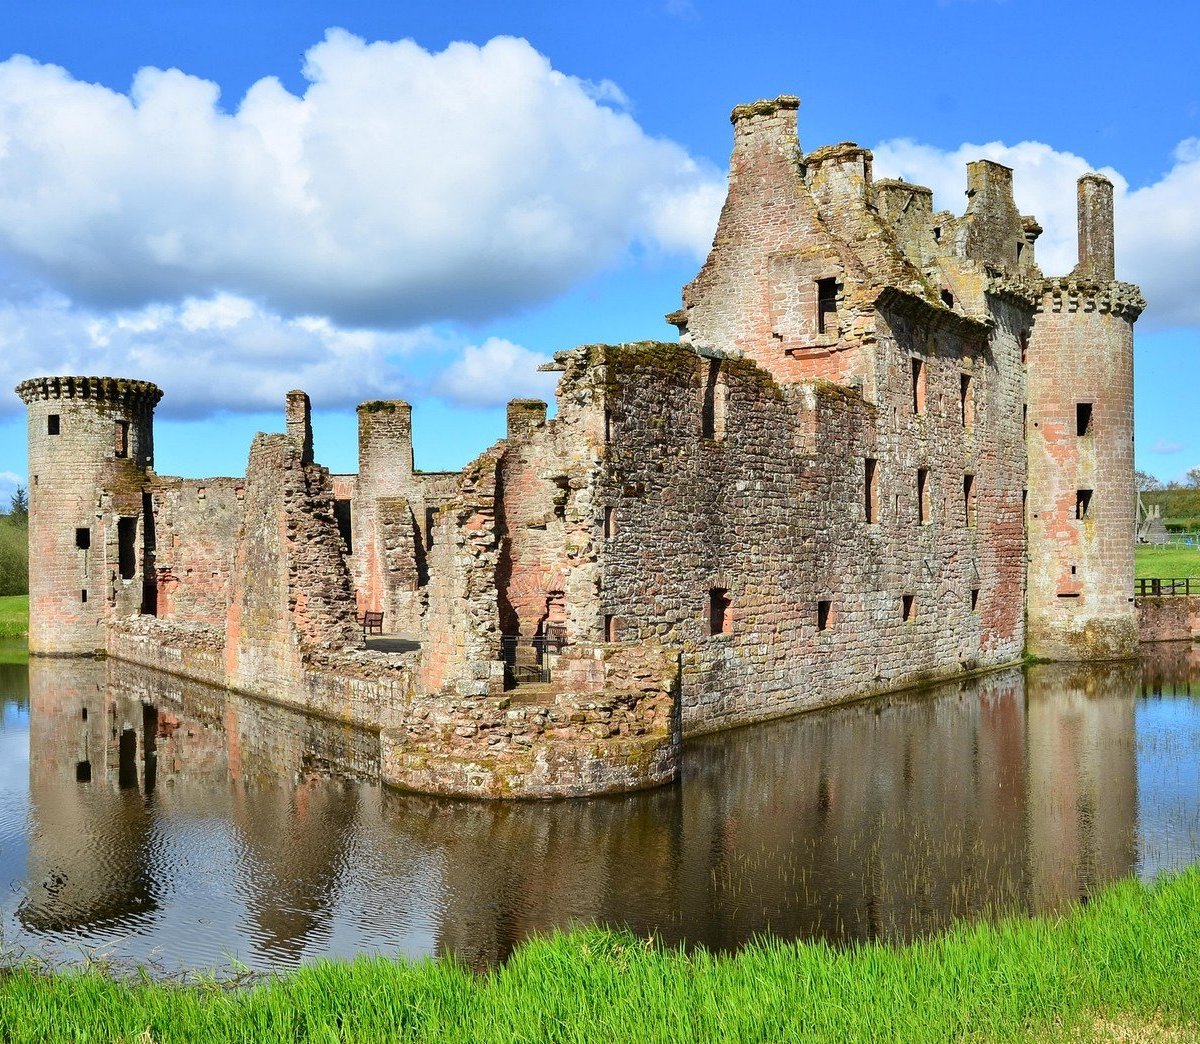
(884, 450)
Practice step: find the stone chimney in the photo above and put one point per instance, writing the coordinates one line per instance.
(1097, 254)
(298, 413)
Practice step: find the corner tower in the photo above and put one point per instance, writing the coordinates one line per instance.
(91, 449)
(1079, 440)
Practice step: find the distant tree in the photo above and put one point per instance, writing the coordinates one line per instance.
(1193, 478)
(18, 508)
(1146, 483)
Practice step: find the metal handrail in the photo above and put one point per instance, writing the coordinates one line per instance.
(546, 648)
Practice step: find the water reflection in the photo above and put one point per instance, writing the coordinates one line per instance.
(166, 821)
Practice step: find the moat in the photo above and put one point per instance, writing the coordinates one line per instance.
(147, 819)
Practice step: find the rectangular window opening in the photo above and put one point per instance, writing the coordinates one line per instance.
(121, 438)
(824, 609)
(83, 713)
(969, 500)
(1024, 346)
(52, 426)
(430, 523)
(83, 772)
(1083, 418)
(974, 599)
(918, 386)
(342, 512)
(1020, 250)
(870, 491)
(712, 411)
(83, 538)
(83, 596)
(126, 548)
(610, 523)
(611, 628)
(966, 401)
(1083, 503)
(947, 299)
(1024, 421)
(608, 426)
(826, 306)
(718, 610)
(923, 495)
(908, 607)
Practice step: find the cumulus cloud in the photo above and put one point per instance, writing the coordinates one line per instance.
(1158, 225)
(401, 187)
(220, 352)
(492, 373)
(1165, 446)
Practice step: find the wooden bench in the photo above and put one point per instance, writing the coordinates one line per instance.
(372, 623)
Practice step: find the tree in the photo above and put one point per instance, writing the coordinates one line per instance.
(18, 508)
(1145, 482)
(1193, 478)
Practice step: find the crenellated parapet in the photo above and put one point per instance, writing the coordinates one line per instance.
(131, 394)
(1067, 294)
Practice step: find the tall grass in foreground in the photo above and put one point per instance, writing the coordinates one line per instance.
(1129, 958)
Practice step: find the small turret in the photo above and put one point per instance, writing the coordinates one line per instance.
(1097, 256)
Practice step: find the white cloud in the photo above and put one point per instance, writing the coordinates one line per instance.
(223, 352)
(403, 186)
(1158, 226)
(1164, 446)
(492, 373)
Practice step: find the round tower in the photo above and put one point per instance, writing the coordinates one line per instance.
(1080, 515)
(91, 448)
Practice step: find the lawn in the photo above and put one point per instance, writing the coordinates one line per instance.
(14, 615)
(1123, 967)
(1166, 562)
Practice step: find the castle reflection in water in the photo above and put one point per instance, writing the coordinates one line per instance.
(170, 822)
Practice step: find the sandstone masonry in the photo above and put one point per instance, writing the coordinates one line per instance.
(885, 449)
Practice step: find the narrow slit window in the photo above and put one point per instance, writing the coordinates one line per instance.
(83, 538)
(1083, 503)
(918, 385)
(923, 495)
(870, 490)
(1083, 418)
(121, 438)
(966, 401)
(608, 426)
(342, 511)
(824, 609)
(126, 547)
(974, 599)
(52, 425)
(1024, 346)
(430, 524)
(718, 610)
(1020, 250)
(826, 306)
(1024, 421)
(83, 596)
(712, 413)
(969, 500)
(908, 607)
(610, 523)
(612, 628)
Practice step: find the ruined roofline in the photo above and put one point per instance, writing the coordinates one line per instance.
(92, 389)
(765, 107)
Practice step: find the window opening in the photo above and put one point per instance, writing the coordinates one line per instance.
(969, 500)
(718, 610)
(83, 538)
(826, 306)
(83, 713)
(1024, 346)
(974, 599)
(870, 490)
(126, 550)
(611, 628)
(1024, 420)
(345, 520)
(824, 609)
(430, 521)
(1083, 418)
(947, 299)
(966, 401)
(610, 523)
(52, 426)
(83, 772)
(121, 438)
(1083, 503)
(712, 412)
(1020, 249)
(923, 495)
(83, 595)
(908, 607)
(918, 385)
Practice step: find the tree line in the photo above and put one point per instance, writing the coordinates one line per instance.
(14, 545)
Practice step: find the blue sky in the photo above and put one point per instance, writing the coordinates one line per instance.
(309, 201)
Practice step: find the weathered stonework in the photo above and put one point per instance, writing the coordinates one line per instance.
(875, 416)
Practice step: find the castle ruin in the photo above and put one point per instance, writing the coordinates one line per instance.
(884, 450)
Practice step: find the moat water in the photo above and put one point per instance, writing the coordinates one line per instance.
(147, 820)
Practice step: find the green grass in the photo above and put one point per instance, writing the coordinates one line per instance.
(14, 615)
(1127, 959)
(1166, 561)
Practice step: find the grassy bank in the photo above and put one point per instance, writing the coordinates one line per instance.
(14, 615)
(1166, 561)
(1124, 964)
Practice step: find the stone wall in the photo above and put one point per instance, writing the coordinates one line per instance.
(1168, 618)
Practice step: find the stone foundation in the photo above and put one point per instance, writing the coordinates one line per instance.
(1168, 619)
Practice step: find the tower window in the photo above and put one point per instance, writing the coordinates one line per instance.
(826, 306)
(610, 522)
(342, 512)
(908, 607)
(430, 522)
(83, 538)
(966, 401)
(918, 385)
(1083, 503)
(1024, 346)
(121, 439)
(611, 628)
(52, 424)
(969, 500)
(712, 411)
(974, 599)
(870, 491)
(824, 609)
(1083, 418)
(126, 551)
(923, 495)
(83, 595)
(718, 610)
